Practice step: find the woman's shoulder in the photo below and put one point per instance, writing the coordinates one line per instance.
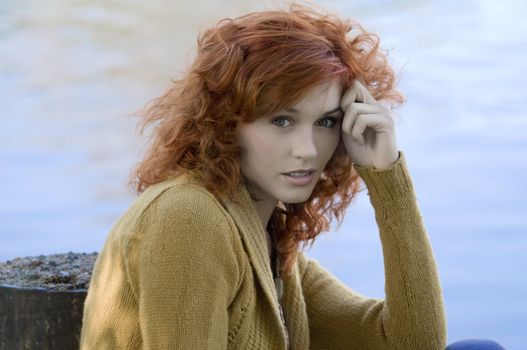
(178, 196)
(174, 201)
(171, 223)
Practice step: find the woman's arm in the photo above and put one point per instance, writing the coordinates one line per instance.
(188, 272)
(412, 316)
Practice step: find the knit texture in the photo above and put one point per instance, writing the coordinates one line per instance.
(183, 270)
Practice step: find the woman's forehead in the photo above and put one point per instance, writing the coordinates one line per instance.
(324, 97)
(321, 99)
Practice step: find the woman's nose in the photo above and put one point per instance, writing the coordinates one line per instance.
(303, 145)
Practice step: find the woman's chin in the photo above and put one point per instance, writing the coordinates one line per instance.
(296, 199)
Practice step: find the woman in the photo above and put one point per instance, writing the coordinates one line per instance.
(268, 137)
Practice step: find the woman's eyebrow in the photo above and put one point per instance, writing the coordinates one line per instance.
(337, 109)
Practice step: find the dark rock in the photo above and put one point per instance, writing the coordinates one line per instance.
(42, 299)
(56, 271)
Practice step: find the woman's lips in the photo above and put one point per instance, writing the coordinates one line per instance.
(301, 180)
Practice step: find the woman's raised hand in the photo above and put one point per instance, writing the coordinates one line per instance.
(368, 129)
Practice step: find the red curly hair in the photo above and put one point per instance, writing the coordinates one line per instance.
(249, 67)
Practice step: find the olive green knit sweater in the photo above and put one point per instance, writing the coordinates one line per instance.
(182, 270)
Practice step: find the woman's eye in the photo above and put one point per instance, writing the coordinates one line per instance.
(281, 121)
(328, 122)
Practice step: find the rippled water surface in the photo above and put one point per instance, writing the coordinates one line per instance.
(72, 72)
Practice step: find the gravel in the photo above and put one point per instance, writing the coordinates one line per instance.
(67, 271)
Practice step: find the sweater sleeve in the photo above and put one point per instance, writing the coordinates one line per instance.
(187, 272)
(412, 314)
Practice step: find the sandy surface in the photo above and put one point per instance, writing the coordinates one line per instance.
(65, 271)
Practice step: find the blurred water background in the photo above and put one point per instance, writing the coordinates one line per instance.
(72, 71)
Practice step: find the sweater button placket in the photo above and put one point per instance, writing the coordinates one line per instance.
(279, 285)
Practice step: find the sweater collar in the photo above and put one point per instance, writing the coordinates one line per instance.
(253, 234)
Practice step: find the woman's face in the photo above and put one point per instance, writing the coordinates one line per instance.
(301, 137)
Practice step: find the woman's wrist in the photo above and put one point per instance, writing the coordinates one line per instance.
(391, 182)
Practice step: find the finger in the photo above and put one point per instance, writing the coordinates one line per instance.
(363, 94)
(351, 95)
(354, 110)
(376, 122)
(358, 129)
(349, 120)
